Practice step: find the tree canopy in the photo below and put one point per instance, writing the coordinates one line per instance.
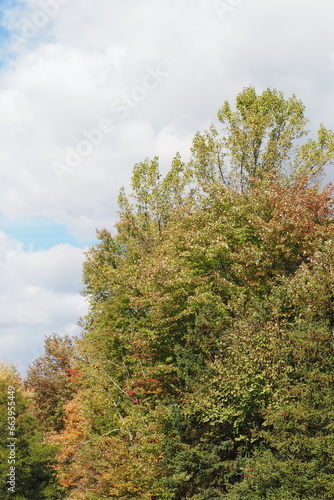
(205, 366)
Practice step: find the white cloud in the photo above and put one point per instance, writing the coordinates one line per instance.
(39, 294)
(57, 90)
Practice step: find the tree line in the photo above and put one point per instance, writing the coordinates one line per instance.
(204, 369)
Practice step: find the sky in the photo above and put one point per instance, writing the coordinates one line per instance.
(88, 88)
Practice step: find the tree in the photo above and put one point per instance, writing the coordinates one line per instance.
(262, 135)
(25, 459)
(196, 358)
(51, 382)
(294, 459)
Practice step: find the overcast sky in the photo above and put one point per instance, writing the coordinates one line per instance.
(90, 87)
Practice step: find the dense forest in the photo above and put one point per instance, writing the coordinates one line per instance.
(205, 366)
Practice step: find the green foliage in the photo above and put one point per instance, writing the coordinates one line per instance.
(260, 136)
(31, 457)
(295, 459)
(206, 357)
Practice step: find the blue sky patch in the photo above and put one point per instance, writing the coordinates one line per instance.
(41, 233)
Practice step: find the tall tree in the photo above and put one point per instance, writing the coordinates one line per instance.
(195, 330)
(262, 135)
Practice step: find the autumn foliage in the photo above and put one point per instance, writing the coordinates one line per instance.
(204, 368)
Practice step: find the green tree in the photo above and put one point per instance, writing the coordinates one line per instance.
(30, 456)
(262, 135)
(197, 322)
(295, 458)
